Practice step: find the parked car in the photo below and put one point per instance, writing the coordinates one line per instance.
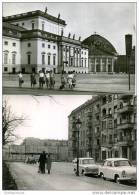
(86, 166)
(30, 160)
(118, 169)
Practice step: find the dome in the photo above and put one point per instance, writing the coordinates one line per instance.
(98, 45)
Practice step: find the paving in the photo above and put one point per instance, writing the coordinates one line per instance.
(86, 83)
(61, 178)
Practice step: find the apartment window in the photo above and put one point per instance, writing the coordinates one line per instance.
(17, 24)
(54, 47)
(110, 124)
(43, 45)
(103, 125)
(5, 42)
(82, 63)
(115, 108)
(71, 62)
(29, 58)
(23, 24)
(85, 62)
(33, 25)
(49, 46)
(29, 44)
(14, 44)
(5, 69)
(54, 60)
(115, 123)
(43, 58)
(5, 58)
(13, 58)
(49, 58)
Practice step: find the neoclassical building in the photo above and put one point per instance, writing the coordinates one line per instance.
(102, 54)
(35, 41)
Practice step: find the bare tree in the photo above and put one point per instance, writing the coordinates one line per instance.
(9, 123)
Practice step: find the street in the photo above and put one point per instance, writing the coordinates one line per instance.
(61, 178)
(85, 84)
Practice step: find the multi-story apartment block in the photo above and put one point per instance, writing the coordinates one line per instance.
(108, 128)
(35, 41)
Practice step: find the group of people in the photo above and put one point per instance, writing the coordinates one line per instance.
(45, 162)
(48, 78)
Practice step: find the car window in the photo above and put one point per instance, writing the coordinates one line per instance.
(122, 163)
(109, 163)
(88, 161)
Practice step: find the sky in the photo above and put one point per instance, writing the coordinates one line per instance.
(110, 20)
(46, 117)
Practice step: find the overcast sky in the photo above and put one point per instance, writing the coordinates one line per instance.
(111, 20)
(47, 117)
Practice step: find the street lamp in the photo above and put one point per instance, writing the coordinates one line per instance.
(78, 124)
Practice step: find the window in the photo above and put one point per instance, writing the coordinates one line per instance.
(43, 45)
(17, 24)
(5, 42)
(13, 58)
(23, 24)
(33, 25)
(49, 59)
(49, 46)
(115, 123)
(29, 58)
(5, 69)
(14, 44)
(54, 60)
(29, 44)
(82, 63)
(71, 62)
(42, 26)
(54, 47)
(85, 62)
(5, 58)
(43, 58)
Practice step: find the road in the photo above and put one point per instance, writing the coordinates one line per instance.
(61, 178)
(86, 84)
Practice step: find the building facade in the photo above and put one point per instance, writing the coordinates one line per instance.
(108, 128)
(35, 41)
(102, 54)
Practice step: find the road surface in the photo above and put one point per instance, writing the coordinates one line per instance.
(61, 178)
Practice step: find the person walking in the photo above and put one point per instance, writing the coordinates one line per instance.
(33, 79)
(42, 162)
(41, 79)
(20, 77)
(52, 80)
(49, 163)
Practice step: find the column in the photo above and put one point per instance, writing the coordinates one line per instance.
(69, 55)
(95, 69)
(101, 65)
(112, 65)
(107, 65)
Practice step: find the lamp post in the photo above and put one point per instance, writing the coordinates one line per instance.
(78, 125)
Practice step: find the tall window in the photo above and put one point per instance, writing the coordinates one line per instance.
(5, 42)
(43, 45)
(33, 25)
(48, 59)
(43, 58)
(42, 26)
(13, 58)
(29, 58)
(14, 44)
(54, 60)
(5, 58)
(29, 44)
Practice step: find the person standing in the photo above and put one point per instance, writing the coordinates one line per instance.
(49, 163)
(47, 79)
(33, 79)
(52, 80)
(41, 79)
(20, 76)
(42, 161)
(63, 81)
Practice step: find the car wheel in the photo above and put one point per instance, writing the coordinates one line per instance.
(101, 175)
(117, 179)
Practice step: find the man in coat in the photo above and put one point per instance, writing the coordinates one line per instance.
(42, 161)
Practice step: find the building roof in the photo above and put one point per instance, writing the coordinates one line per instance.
(12, 26)
(99, 45)
(34, 14)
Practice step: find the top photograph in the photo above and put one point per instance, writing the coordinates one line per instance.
(69, 48)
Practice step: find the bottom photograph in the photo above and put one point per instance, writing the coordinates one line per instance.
(69, 142)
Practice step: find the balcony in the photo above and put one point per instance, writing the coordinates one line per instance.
(127, 108)
(125, 141)
(126, 125)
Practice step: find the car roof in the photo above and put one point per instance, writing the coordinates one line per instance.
(115, 159)
(86, 158)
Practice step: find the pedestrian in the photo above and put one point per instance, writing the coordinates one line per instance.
(49, 163)
(42, 162)
(69, 79)
(33, 79)
(20, 77)
(47, 79)
(63, 81)
(41, 79)
(52, 80)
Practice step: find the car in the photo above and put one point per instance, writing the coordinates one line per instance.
(30, 160)
(118, 169)
(87, 166)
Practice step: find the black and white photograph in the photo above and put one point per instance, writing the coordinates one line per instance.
(68, 48)
(69, 97)
(87, 144)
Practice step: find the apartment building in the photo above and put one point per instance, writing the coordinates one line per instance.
(108, 128)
